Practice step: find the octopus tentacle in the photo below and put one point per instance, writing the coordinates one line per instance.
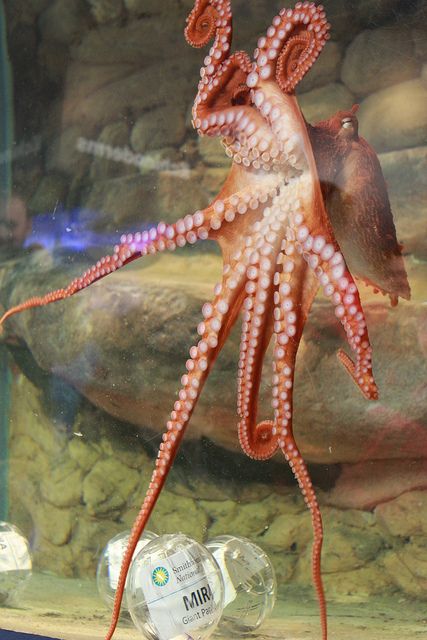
(132, 246)
(338, 285)
(293, 298)
(223, 76)
(193, 227)
(256, 440)
(226, 208)
(291, 46)
(207, 19)
(220, 103)
(218, 318)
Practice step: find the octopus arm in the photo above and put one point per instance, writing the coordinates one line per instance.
(312, 237)
(293, 300)
(218, 318)
(197, 226)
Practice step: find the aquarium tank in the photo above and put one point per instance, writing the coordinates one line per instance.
(213, 333)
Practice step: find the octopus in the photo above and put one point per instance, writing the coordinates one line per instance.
(303, 207)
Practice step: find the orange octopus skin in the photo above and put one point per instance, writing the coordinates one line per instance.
(355, 193)
(277, 239)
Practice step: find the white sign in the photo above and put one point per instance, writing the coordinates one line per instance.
(14, 554)
(178, 594)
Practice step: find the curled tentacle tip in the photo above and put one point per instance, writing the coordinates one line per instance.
(201, 24)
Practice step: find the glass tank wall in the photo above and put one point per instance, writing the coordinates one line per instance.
(97, 142)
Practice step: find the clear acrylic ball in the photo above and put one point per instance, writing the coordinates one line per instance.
(107, 573)
(175, 590)
(249, 580)
(15, 563)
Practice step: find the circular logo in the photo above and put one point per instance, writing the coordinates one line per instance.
(160, 576)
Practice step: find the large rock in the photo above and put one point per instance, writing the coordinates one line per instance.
(365, 553)
(106, 10)
(370, 483)
(395, 117)
(125, 342)
(135, 43)
(135, 200)
(98, 94)
(406, 515)
(325, 71)
(319, 104)
(378, 58)
(112, 161)
(405, 172)
(64, 21)
(162, 127)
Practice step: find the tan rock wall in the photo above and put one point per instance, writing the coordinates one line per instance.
(71, 496)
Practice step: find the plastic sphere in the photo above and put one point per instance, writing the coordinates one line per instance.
(250, 583)
(15, 562)
(175, 590)
(107, 574)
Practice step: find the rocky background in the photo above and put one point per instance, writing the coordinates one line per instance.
(95, 376)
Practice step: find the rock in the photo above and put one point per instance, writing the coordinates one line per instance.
(154, 307)
(165, 159)
(358, 585)
(321, 103)
(53, 524)
(288, 533)
(353, 541)
(378, 58)
(83, 453)
(420, 42)
(405, 172)
(413, 582)
(108, 486)
(184, 515)
(325, 71)
(212, 152)
(368, 484)
(284, 566)
(159, 128)
(107, 161)
(250, 520)
(64, 155)
(51, 193)
(23, 12)
(64, 21)
(212, 180)
(53, 57)
(148, 199)
(63, 487)
(106, 10)
(373, 12)
(89, 537)
(97, 94)
(135, 44)
(149, 7)
(405, 516)
(364, 553)
(32, 425)
(395, 117)
(50, 558)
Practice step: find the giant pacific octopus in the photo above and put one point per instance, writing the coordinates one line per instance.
(303, 207)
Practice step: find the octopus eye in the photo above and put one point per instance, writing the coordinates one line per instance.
(347, 123)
